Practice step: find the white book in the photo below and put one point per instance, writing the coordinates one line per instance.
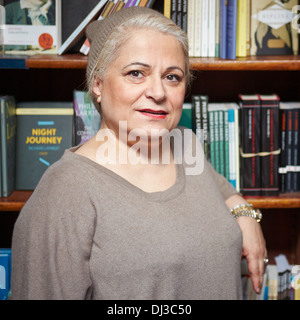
(212, 28)
(79, 31)
(204, 27)
(190, 26)
(197, 35)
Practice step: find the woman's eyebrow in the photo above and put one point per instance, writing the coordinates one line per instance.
(148, 66)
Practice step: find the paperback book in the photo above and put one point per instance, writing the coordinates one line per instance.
(87, 119)
(32, 26)
(44, 131)
(8, 142)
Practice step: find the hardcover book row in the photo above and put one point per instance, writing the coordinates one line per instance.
(253, 142)
(236, 28)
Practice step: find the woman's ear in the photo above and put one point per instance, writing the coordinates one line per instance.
(97, 88)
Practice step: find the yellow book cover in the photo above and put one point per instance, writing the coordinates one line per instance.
(241, 36)
(167, 8)
(272, 31)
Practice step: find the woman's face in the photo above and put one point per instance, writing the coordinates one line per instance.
(145, 85)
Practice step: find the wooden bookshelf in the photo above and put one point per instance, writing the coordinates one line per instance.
(253, 63)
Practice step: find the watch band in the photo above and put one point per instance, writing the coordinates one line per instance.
(246, 210)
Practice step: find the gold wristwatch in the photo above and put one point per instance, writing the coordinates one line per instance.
(246, 210)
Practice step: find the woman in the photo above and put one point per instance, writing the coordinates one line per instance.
(128, 215)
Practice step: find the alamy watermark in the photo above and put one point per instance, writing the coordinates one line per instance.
(157, 146)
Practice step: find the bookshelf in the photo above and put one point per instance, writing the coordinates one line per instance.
(55, 77)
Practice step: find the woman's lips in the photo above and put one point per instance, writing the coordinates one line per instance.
(155, 114)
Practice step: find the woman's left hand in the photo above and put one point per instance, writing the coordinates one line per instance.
(254, 249)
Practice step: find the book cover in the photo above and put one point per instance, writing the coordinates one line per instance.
(289, 151)
(79, 31)
(184, 15)
(250, 144)
(282, 168)
(5, 274)
(241, 33)
(223, 29)
(32, 26)
(179, 13)
(44, 131)
(217, 30)
(296, 157)
(8, 143)
(87, 119)
(222, 142)
(231, 29)
(269, 144)
(174, 11)
(271, 28)
(211, 122)
(226, 145)
(74, 14)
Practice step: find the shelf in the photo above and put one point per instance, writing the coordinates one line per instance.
(17, 199)
(253, 63)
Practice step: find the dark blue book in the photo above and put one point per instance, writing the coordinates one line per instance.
(5, 273)
(8, 138)
(44, 131)
(231, 29)
(223, 29)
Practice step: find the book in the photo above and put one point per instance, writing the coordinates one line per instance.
(87, 119)
(78, 33)
(217, 29)
(204, 124)
(204, 27)
(196, 117)
(32, 27)
(8, 142)
(272, 32)
(212, 16)
(44, 131)
(289, 170)
(269, 133)
(250, 125)
(223, 29)
(231, 29)
(167, 8)
(184, 15)
(191, 27)
(186, 116)
(241, 33)
(5, 274)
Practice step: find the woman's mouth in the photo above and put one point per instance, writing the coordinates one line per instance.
(155, 114)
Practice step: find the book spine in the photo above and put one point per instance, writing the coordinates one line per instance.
(223, 29)
(174, 11)
(241, 33)
(204, 125)
(269, 143)
(191, 26)
(296, 155)
(179, 13)
(217, 141)
(130, 3)
(196, 117)
(217, 35)
(184, 14)
(250, 143)
(197, 29)
(237, 149)
(204, 28)
(212, 28)
(212, 138)
(231, 29)
(289, 150)
(167, 8)
(283, 162)
(231, 147)
(226, 145)
(221, 142)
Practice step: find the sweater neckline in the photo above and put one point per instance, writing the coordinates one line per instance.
(168, 194)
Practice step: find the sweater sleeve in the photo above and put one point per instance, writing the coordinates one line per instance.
(225, 187)
(52, 240)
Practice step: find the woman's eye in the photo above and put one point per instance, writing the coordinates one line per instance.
(135, 73)
(173, 77)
